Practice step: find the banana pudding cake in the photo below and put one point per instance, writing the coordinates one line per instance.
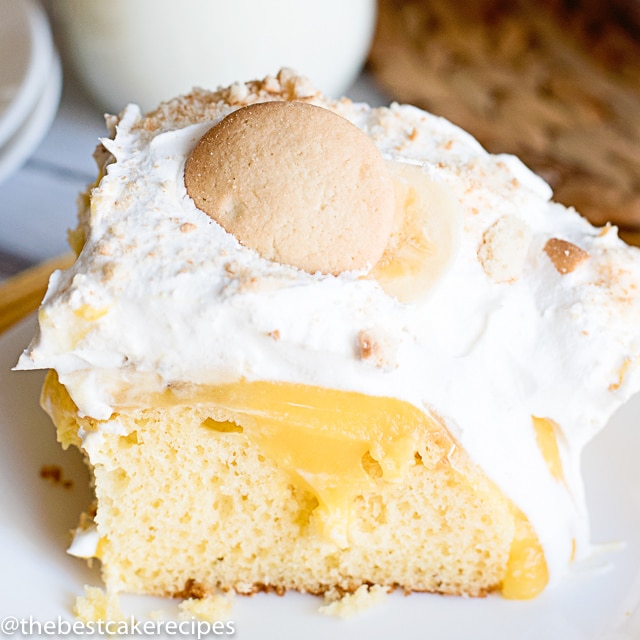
(309, 344)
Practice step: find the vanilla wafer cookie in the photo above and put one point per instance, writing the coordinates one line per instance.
(298, 183)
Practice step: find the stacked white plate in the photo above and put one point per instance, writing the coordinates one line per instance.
(30, 81)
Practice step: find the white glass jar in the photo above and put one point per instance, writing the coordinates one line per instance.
(146, 51)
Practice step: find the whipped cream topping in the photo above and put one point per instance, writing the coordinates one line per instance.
(161, 294)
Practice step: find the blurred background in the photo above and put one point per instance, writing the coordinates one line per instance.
(555, 81)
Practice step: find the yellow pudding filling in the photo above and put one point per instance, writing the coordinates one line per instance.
(527, 574)
(336, 446)
(321, 437)
(547, 440)
(89, 313)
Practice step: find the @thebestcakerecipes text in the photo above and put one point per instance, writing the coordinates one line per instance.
(12, 626)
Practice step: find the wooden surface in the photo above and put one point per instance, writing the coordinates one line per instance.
(556, 83)
(21, 295)
(631, 237)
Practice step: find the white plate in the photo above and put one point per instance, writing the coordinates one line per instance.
(26, 50)
(16, 151)
(599, 601)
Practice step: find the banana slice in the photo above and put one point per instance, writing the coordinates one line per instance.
(425, 237)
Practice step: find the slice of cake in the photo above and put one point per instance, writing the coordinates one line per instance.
(308, 344)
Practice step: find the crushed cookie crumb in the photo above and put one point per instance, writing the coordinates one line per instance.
(148, 124)
(376, 348)
(275, 334)
(565, 256)
(108, 271)
(200, 104)
(187, 227)
(605, 230)
(366, 344)
(271, 84)
(622, 373)
(105, 249)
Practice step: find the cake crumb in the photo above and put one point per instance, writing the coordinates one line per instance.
(565, 256)
(346, 605)
(97, 605)
(210, 608)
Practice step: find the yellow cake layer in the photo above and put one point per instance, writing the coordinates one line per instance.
(263, 485)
